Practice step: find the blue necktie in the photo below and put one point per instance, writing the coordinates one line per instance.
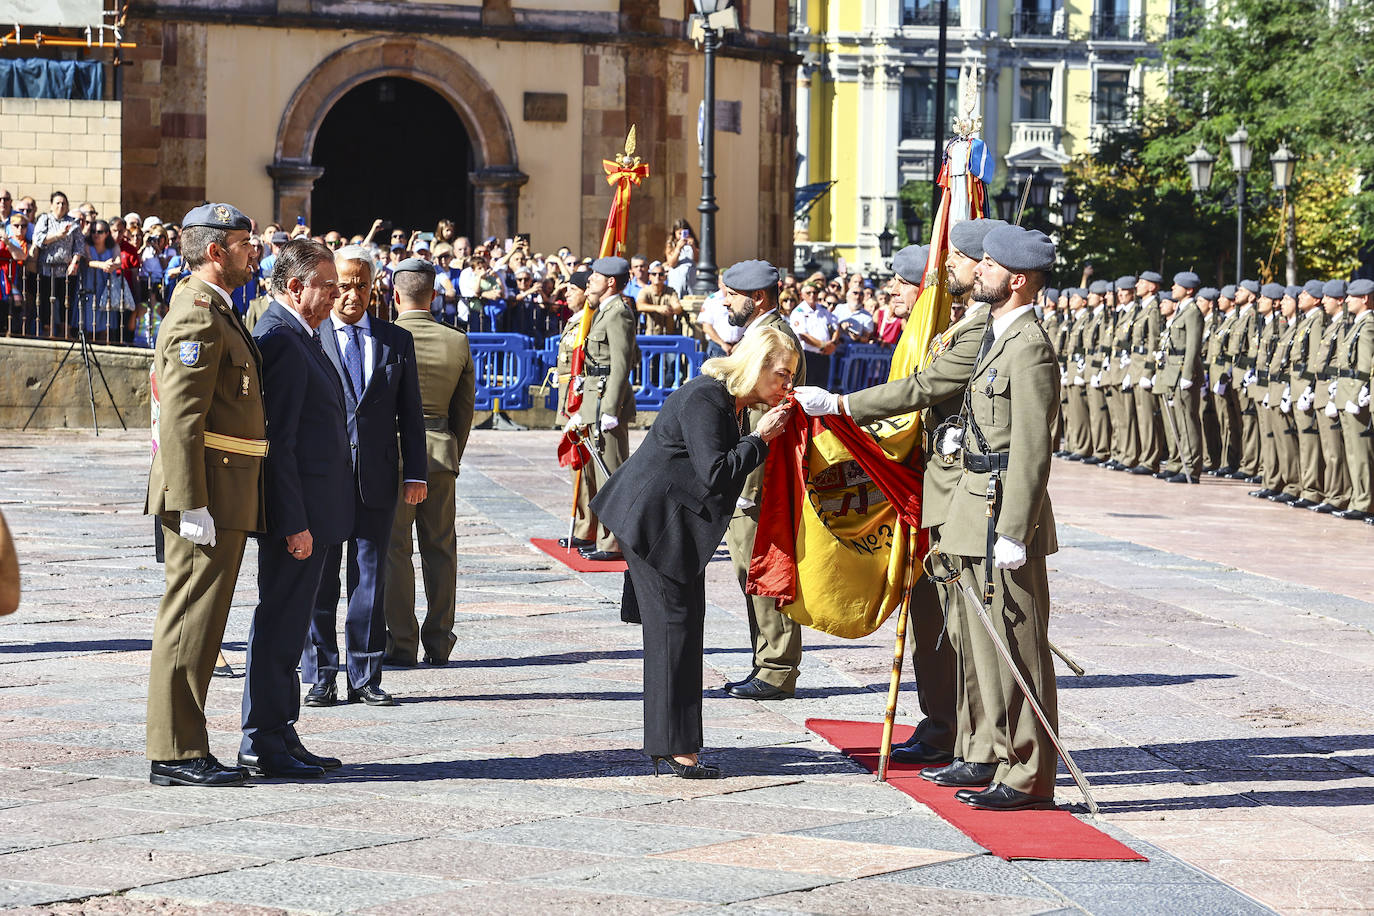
(353, 359)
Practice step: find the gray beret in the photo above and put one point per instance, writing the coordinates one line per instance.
(1052, 294)
(1167, 295)
(217, 216)
(1292, 291)
(1313, 288)
(1152, 276)
(1099, 287)
(1210, 293)
(1019, 249)
(1334, 288)
(1360, 288)
(1187, 279)
(968, 236)
(580, 278)
(1251, 285)
(1272, 290)
(910, 263)
(1077, 292)
(1228, 291)
(1126, 282)
(414, 265)
(748, 276)
(611, 266)
(281, 238)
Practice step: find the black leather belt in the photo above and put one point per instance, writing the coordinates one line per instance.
(1354, 373)
(986, 464)
(600, 371)
(436, 424)
(1140, 350)
(1262, 378)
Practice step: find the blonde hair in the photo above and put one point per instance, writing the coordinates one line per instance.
(742, 369)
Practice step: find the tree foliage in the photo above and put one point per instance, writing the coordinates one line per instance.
(1294, 71)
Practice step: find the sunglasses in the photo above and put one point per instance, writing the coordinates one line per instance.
(655, 273)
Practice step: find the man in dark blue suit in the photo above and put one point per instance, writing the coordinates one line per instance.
(375, 361)
(309, 474)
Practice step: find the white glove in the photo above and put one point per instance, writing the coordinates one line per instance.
(1125, 361)
(817, 402)
(1265, 402)
(1063, 378)
(1220, 387)
(198, 527)
(1079, 381)
(1147, 382)
(1305, 400)
(1331, 390)
(1250, 378)
(951, 441)
(1096, 381)
(609, 422)
(1008, 553)
(573, 422)
(1185, 383)
(1286, 400)
(1351, 407)
(1126, 382)
(1363, 400)
(1331, 410)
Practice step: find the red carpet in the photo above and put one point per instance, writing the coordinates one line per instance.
(573, 559)
(1010, 835)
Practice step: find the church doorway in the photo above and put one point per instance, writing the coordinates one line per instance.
(392, 148)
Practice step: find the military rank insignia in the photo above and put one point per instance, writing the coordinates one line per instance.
(243, 385)
(202, 301)
(190, 353)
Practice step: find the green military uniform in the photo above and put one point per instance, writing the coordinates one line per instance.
(776, 638)
(584, 523)
(1220, 373)
(1056, 330)
(612, 353)
(1354, 360)
(1285, 474)
(1266, 343)
(255, 310)
(1144, 344)
(1078, 434)
(211, 442)
(1335, 474)
(1097, 340)
(1208, 424)
(448, 383)
(1302, 392)
(1180, 383)
(1125, 439)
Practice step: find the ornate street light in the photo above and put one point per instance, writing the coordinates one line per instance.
(1283, 161)
(1239, 142)
(1068, 207)
(1039, 190)
(885, 240)
(1200, 165)
(1006, 203)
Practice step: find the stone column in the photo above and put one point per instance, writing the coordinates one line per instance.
(292, 182)
(498, 200)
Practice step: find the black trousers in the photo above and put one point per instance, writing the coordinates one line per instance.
(674, 617)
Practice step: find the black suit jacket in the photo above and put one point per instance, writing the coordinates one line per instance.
(309, 470)
(390, 404)
(671, 502)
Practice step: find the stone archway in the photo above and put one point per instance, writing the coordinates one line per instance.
(497, 177)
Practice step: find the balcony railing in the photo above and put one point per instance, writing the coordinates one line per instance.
(1184, 23)
(1111, 27)
(918, 128)
(929, 15)
(1038, 24)
(1030, 134)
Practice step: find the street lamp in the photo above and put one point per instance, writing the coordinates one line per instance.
(913, 229)
(1200, 165)
(1006, 202)
(885, 240)
(1284, 162)
(1068, 207)
(706, 257)
(1039, 194)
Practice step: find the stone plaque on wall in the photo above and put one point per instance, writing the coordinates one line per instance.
(728, 116)
(546, 106)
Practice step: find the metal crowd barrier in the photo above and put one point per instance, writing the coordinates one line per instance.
(861, 366)
(506, 367)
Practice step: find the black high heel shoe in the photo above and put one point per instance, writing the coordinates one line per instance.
(688, 770)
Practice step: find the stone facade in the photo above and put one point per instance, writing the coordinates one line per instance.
(51, 145)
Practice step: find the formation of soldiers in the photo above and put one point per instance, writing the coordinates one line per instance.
(1267, 384)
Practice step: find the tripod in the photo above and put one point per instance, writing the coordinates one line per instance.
(88, 358)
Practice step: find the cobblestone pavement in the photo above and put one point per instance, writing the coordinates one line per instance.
(1224, 723)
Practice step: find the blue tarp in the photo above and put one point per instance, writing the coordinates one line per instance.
(36, 78)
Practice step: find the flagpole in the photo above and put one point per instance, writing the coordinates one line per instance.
(898, 657)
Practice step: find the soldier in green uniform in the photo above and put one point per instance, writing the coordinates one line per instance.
(205, 486)
(1096, 344)
(1144, 344)
(1206, 301)
(608, 401)
(999, 526)
(1125, 438)
(1284, 479)
(1078, 435)
(1335, 475)
(1244, 350)
(1180, 380)
(1220, 370)
(448, 383)
(751, 297)
(1268, 328)
(1302, 393)
(1056, 329)
(1354, 361)
(584, 523)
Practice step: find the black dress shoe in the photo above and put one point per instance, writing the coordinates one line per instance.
(1121, 467)
(198, 771)
(325, 694)
(279, 764)
(1141, 470)
(297, 750)
(731, 685)
(1111, 464)
(1074, 456)
(1369, 519)
(1061, 453)
(1322, 508)
(1282, 498)
(1092, 459)
(575, 543)
(372, 696)
(1163, 474)
(1003, 798)
(1225, 471)
(1264, 493)
(1238, 475)
(1255, 478)
(224, 670)
(962, 774)
(603, 556)
(1354, 515)
(434, 662)
(755, 689)
(397, 661)
(919, 752)
(1302, 504)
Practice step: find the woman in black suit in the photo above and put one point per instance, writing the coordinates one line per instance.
(669, 506)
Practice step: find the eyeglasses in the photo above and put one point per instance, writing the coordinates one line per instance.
(655, 273)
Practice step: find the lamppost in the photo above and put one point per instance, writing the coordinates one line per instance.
(1005, 200)
(711, 28)
(1068, 207)
(885, 240)
(1200, 168)
(1284, 162)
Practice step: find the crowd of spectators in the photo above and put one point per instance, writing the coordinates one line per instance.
(64, 272)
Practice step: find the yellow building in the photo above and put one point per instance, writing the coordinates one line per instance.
(1047, 76)
(495, 113)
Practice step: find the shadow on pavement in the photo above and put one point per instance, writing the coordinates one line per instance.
(1069, 681)
(82, 645)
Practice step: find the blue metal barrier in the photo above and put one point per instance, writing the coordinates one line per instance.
(665, 363)
(547, 362)
(506, 368)
(861, 366)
